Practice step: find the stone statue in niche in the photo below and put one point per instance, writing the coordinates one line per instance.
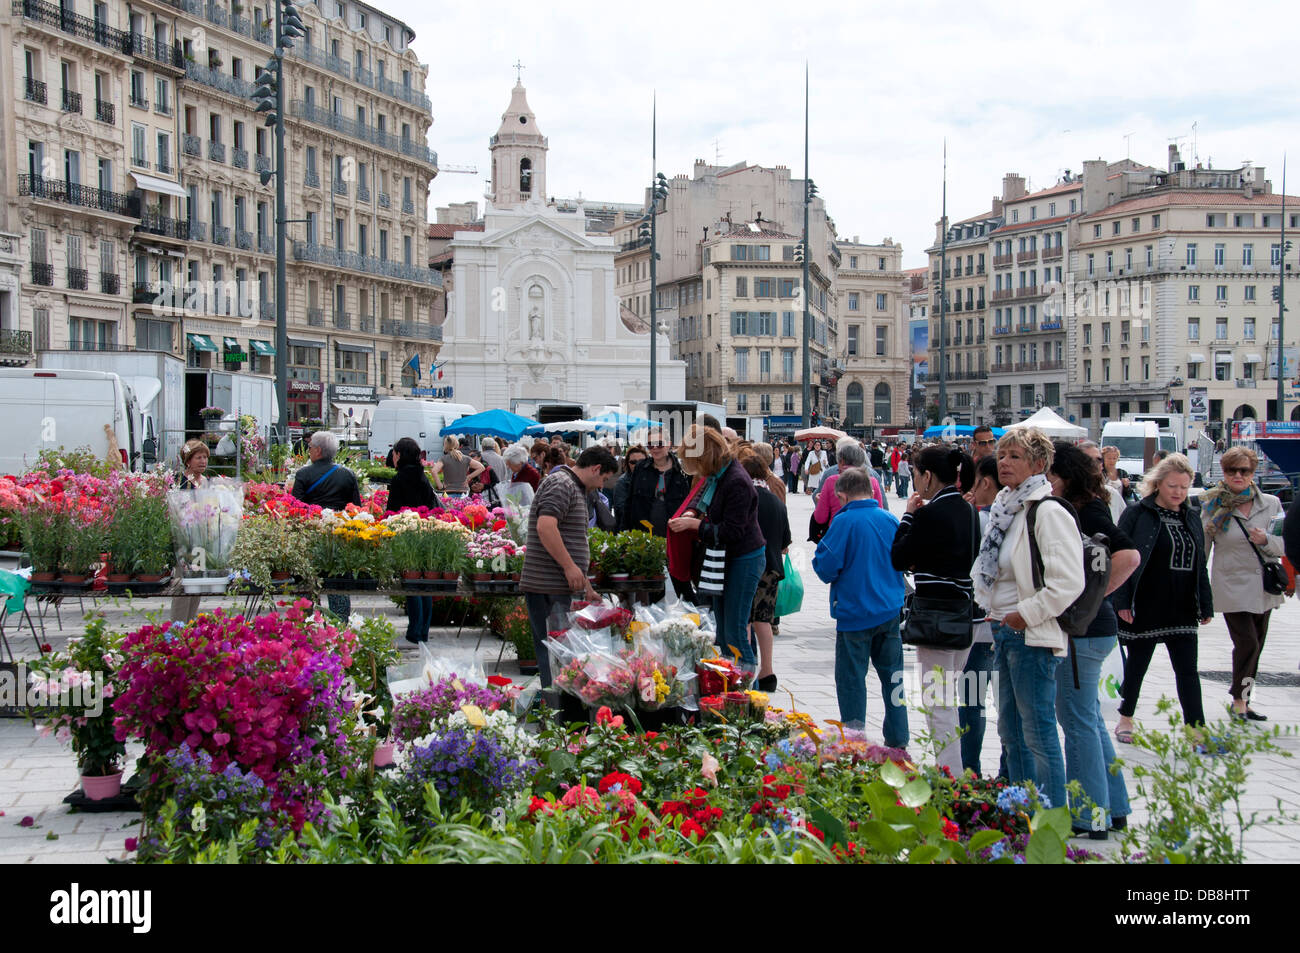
(535, 324)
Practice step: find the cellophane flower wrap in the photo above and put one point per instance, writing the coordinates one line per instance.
(268, 693)
(205, 523)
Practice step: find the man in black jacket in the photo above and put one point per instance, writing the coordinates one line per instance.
(330, 485)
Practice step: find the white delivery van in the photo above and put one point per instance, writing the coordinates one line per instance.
(47, 408)
(1129, 437)
(421, 420)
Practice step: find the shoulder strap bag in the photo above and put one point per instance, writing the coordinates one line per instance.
(942, 623)
(713, 572)
(1271, 574)
(325, 476)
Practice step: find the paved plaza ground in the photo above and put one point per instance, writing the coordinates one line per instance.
(36, 773)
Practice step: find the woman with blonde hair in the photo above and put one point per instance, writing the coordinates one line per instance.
(1168, 594)
(1030, 642)
(1236, 516)
(456, 469)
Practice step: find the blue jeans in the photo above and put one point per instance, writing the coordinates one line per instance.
(1088, 751)
(882, 647)
(540, 607)
(902, 486)
(980, 666)
(1027, 713)
(419, 613)
(731, 609)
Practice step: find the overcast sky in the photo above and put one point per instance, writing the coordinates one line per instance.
(1030, 87)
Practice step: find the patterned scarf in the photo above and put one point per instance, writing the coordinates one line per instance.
(1006, 505)
(1221, 502)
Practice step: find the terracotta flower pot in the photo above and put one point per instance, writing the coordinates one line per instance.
(101, 787)
(501, 576)
(43, 576)
(451, 576)
(412, 574)
(481, 576)
(75, 579)
(514, 577)
(281, 576)
(431, 574)
(149, 577)
(119, 577)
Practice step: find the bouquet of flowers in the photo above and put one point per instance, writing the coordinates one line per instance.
(718, 675)
(205, 523)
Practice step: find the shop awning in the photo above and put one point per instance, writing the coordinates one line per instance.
(301, 342)
(1223, 357)
(358, 348)
(1195, 358)
(201, 342)
(262, 349)
(1254, 359)
(231, 344)
(154, 184)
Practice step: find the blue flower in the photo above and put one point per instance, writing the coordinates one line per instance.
(997, 850)
(1013, 799)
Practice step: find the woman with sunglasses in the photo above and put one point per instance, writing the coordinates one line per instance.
(1236, 517)
(657, 487)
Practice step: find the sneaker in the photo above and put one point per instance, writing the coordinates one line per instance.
(1253, 715)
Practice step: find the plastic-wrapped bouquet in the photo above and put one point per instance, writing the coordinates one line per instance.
(205, 523)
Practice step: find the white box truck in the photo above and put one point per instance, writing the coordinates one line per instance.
(157, 381)
(1136, 441)
(49, 408)
(421, 420)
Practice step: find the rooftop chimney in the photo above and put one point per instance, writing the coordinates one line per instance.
(1013, 186)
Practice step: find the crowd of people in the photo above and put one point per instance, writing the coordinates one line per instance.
(991, 538)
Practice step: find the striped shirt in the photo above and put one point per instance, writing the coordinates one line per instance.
(561, 495)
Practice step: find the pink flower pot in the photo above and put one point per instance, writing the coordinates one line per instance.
(101, 787)
(383, 754)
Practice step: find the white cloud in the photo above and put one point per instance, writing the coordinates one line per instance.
(1014, 86)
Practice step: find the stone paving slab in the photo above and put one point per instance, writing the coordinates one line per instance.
(36, 773)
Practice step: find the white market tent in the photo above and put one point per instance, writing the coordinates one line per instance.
(1052, 424)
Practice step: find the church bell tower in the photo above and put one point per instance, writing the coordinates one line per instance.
(518, 155)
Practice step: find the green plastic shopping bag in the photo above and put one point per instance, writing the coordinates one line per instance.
(789, 594)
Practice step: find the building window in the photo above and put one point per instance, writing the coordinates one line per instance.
(1248, 256)
(1248, 328)
(85, 334)
(787, 404)
(1191, 254)
(882, 341)
(1193, 329)
(883, 404)
(1220, 292)
(762, 287)
(1193, 293)
(882, 301)
(853, 408)
(1220, 253)
(742, 287)
(853, 340)
(853, 301)
(1223, 365)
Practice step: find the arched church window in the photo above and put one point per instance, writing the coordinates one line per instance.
(526, 176)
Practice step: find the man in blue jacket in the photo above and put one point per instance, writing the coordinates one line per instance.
(866, 598)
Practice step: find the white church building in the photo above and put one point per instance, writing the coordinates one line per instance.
(532, 312)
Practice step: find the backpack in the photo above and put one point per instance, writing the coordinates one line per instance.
(1074, 621)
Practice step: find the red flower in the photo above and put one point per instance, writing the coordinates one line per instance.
(778, 791)
(131, 844)
(539, 805)
(816, 833)
(626, 782)
(950, 830)
(690, 829)
(500, 681)
(606, 717)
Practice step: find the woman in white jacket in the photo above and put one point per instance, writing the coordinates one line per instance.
(1030, 643)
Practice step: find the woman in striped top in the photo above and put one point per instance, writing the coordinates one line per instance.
(936, 541)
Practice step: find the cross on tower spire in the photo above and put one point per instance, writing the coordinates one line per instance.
(519, 74)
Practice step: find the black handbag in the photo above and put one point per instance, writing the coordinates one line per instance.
(941, 623)
(1272, 574)
(937, 623)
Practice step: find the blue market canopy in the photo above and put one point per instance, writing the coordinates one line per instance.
(564, 426)
(622, 422)
(955, 430)
(492, 423)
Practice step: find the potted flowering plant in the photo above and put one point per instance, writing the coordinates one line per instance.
(408, 547)
(84, 548)
(205, 524)
(352, 550)
(272, 551)
(446, 552)
(518, 630)
(44, 533)
(212, 418)
(81, 680)
(372, 656)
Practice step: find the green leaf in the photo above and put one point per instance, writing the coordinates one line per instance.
(929, 821)
(1045, 847)
(560, 763)
(923, 854)
(882, 838)
(892, 775)
(915, 793)
(829, 825)
(983, 839)
(899, 816)
(1057, 819)
(880, 796)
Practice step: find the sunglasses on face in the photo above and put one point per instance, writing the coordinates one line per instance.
(1237, 471)
(986, 443)
(656, 446)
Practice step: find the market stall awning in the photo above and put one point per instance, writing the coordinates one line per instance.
(231, 344)
(957, 430)
(152, 183)
(621, 422)
(262, 348)
(565, 426)
(492, 423)
(819, 433)
(200, 342)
